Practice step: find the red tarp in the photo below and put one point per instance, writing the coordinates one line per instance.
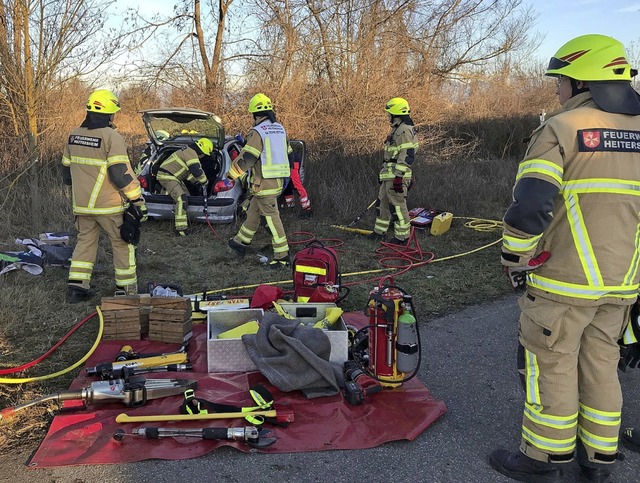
(86, 436)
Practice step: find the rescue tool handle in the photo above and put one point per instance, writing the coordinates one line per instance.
(214, 433)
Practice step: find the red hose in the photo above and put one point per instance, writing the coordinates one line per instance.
(13, 370)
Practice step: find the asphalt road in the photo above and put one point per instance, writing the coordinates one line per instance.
(468, 361)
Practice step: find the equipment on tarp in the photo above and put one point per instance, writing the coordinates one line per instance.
(127, 353)
(132, 393)
(357, 384)
(254, 437)
(315, 266)
(260, 395)
(282, 415)
(115, 370)
(127, 373)
(388, 349)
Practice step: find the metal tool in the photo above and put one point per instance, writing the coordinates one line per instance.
(127, 353)
(132, 393)
(357, 218)
(284, 415)
(114, 370)
(254, 437)
(128, 372)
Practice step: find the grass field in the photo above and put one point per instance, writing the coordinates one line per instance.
(34, 316)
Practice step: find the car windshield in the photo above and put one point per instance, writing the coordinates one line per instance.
(181, 126)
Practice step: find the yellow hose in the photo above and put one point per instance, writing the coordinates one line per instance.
(22, 380)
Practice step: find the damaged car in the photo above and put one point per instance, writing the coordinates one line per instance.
(171, 129)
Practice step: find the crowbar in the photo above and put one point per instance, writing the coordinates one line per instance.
(281, 415)
(357, 218)
(353, 230)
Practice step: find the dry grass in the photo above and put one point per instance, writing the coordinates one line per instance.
(33, 315)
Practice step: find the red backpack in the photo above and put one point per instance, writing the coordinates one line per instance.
(315, 267)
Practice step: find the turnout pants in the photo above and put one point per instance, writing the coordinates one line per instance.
(84, 254)
(568, 358)
(178, 191)
(266, 206)
(392, 206)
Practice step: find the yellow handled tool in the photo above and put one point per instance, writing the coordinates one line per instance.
(281, 415)
(113, 370)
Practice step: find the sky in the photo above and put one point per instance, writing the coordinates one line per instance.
(558, 20)
(562, 20)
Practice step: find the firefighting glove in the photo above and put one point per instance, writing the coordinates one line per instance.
(140, 209)
(397, 184)
(517, 275)
(630, 342)
(130, 228)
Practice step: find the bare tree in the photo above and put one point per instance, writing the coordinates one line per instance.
(188, 55)
(45, 44)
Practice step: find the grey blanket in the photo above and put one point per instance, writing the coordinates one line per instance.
(294, 357)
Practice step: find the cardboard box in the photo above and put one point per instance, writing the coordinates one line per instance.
(230, 355)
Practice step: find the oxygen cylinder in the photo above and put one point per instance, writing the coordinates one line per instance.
(407, 343)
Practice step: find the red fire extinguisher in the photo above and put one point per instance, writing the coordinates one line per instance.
(393, 346)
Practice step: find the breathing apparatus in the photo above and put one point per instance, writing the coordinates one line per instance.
(388, 349)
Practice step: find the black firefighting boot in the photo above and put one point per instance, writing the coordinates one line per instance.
(599, 468)
(630, 438)
(239, 248)
(277, 263)
(306, 213)
(519, 467)
(76, 294)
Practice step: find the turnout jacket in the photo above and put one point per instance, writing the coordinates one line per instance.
(101, 173)
(183, 165)
(577, 196)
(399, 152)
(265, 157)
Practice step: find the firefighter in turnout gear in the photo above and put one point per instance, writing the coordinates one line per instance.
(184, 165)
(396, 175)
(95, 163)
(265, 159)
(576, 204)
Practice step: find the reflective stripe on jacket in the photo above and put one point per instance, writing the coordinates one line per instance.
(273, 157)
(250, 160)
(399, 152)
(183, 165)
(593, 158)
(89, 153)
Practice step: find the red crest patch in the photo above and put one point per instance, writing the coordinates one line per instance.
(591, 139)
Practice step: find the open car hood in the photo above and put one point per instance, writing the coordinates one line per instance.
(182, 125)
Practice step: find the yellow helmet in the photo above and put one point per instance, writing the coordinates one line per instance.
(205, 145)
(591, 57)
(259, 103)
(103, 101)
(398, 107)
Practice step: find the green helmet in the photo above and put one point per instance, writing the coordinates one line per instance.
(398, 107)
(259, 103)
(103, 101)
(591, 57)
(205, 145)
